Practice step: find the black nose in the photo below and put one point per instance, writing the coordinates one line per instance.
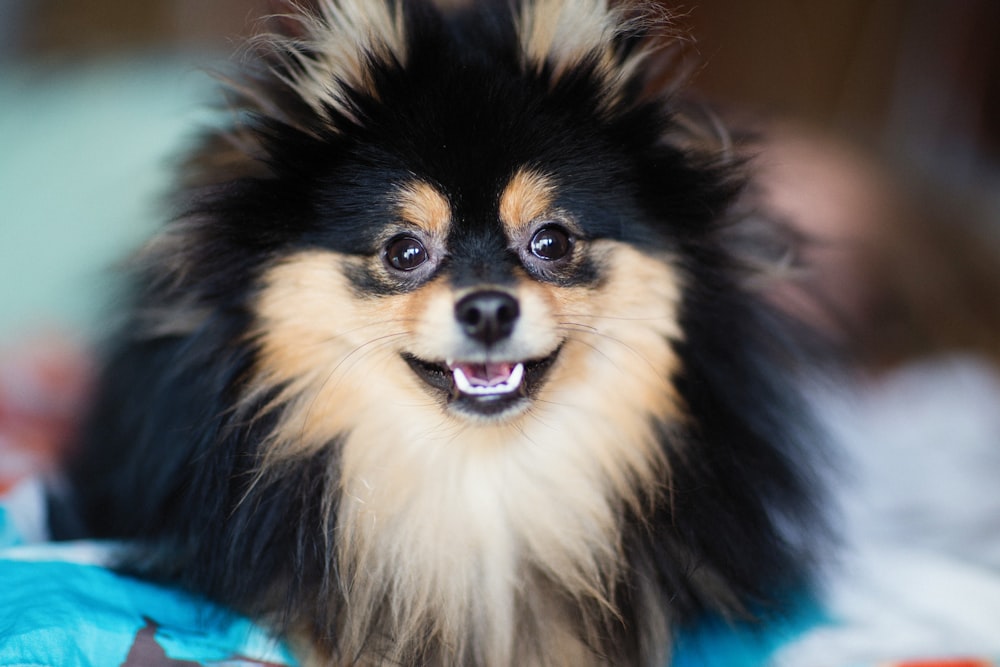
(487, 316)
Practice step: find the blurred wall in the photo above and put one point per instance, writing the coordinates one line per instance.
(922, 77)
(72, 27)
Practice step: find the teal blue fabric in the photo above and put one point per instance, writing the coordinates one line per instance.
(59, 613)
(71, 615)
(720, 643)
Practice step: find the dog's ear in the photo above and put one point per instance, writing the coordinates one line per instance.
(610, 41)
(326, 50)
(299, 72)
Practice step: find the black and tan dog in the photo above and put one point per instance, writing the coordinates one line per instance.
(446, 360)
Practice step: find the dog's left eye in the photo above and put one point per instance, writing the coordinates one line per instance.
(550, 243)
(405, 253)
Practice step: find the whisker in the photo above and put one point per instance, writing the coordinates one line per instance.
(577, 325)
(570, 406)
(379, 342)
(459, 429)
(533, 414)
(617, 318)
(591, 345)
(341, 334)
(428, 403)
(584, 329)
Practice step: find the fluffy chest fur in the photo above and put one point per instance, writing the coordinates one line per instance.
(489, 537)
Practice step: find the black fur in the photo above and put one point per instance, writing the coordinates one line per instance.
(167, 460)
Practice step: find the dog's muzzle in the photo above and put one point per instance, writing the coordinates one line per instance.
(485, 386)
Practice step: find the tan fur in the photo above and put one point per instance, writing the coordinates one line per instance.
(566, 33)
(423, 205)
(331, 55)
(528, 195)
(449, 519)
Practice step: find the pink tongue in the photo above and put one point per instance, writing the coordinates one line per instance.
(487, 375)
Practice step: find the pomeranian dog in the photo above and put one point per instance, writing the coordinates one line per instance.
(449, 357)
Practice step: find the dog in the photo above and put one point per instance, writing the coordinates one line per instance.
(449, 356)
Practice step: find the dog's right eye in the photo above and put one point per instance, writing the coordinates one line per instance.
(551, 243)
(405, 253)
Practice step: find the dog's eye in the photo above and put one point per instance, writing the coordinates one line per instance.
(405, 253)
(550, 243)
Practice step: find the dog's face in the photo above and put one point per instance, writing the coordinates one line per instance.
(469, 246)
(481, 315)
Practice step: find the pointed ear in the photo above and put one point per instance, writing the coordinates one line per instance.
(323, 50)
(612, 40)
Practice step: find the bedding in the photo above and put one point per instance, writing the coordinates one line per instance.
(60, 607)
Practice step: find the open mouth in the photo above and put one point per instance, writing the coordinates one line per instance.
(484, 388)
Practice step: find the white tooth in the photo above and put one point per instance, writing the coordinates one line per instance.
(511, 384)
(516, 375)
(462, 382)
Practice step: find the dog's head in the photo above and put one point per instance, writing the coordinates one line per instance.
(466, 221)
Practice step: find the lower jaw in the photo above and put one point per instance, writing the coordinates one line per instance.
(489, 407)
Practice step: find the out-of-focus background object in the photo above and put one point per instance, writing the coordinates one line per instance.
(70, 29)
(921, 78)
(95, 99)
(896, 108)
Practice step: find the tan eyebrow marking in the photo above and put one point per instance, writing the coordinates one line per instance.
(423, 205)
(528, 195)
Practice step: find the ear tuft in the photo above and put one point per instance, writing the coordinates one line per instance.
(561, 36)
(323, 53)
